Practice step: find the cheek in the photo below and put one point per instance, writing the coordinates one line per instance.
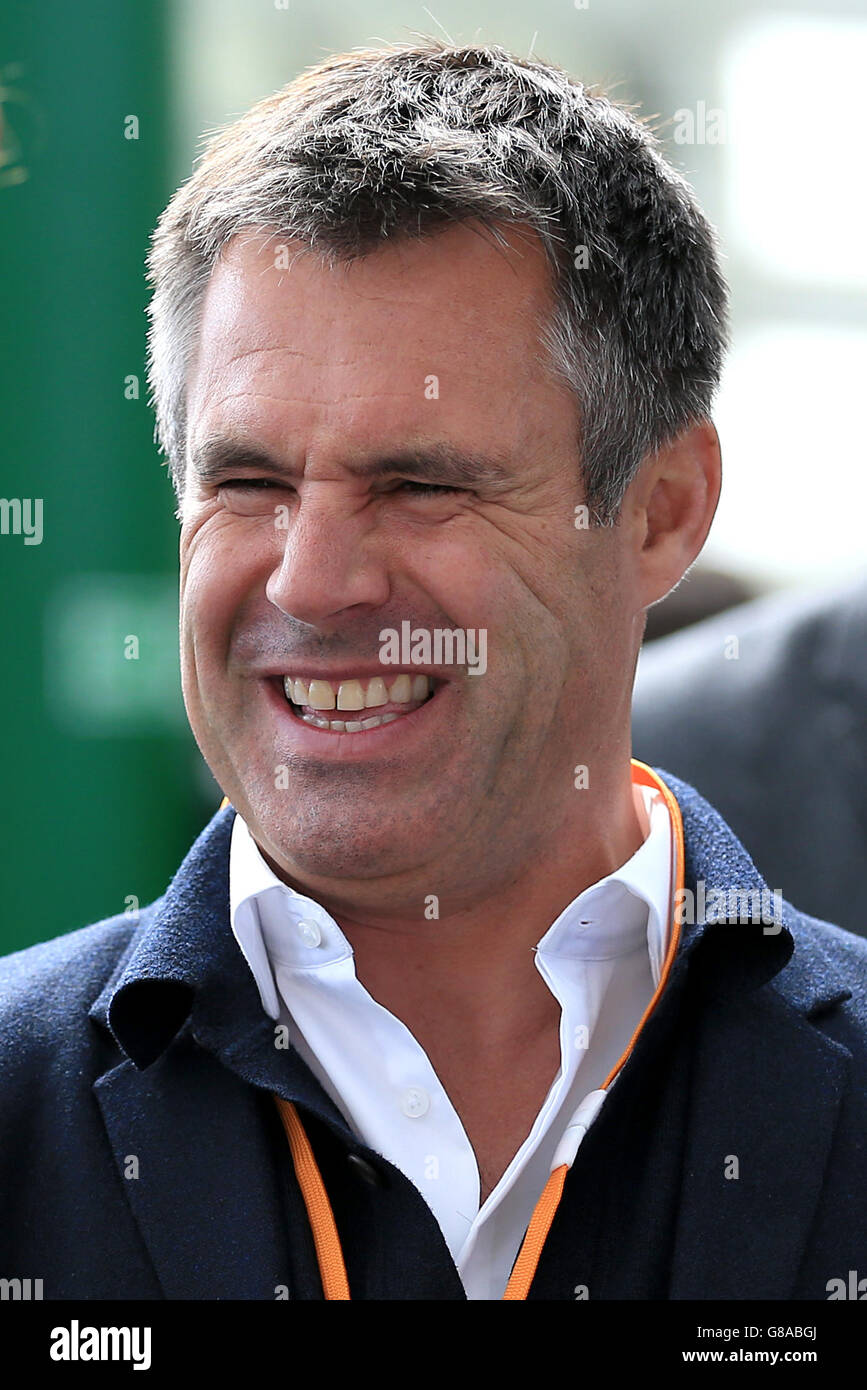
(206, 611)
(470, 576)
(218, 567)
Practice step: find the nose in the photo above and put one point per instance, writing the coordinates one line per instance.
(330, 560)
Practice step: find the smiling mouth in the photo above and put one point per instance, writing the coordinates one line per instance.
(358, 703)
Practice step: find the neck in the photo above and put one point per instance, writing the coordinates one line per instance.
(474, 967)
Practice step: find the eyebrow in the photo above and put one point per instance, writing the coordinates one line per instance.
(219, 455)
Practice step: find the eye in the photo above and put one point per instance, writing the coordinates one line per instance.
(260, 483)
(256, 497)
(426, 489)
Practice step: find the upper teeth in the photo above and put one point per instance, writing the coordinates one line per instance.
(351, 694)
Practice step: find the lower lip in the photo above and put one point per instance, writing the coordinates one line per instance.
(354, 746)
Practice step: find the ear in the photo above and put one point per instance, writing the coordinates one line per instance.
(670, 505)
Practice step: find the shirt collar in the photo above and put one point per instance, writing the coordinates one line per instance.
(273, 922)
(631, 904)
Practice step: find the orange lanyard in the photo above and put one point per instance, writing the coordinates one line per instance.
(329, 1253)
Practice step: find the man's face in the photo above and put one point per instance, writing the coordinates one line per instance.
(342, 377)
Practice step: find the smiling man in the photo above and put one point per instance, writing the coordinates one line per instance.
(428, 1011)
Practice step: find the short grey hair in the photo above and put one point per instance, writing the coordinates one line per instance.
(403, 139)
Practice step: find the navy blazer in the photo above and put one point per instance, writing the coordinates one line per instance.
(143, 1156)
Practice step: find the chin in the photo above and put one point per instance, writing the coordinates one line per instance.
(333, 846)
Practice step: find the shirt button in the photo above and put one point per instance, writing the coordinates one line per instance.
(415, 1102)
(309, 933)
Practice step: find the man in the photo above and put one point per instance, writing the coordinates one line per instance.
(448, 1000)
(765, 709)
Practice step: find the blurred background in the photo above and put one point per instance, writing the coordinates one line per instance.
(102, 111)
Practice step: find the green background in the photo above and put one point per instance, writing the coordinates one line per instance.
(102, 781)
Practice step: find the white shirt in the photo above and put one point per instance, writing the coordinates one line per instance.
(601, 959)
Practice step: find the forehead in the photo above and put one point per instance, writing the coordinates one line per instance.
(280, 324)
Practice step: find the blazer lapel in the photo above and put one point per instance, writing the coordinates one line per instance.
(765, 1099)
(766, 1086)
(188, 1110)
(202, 1183)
